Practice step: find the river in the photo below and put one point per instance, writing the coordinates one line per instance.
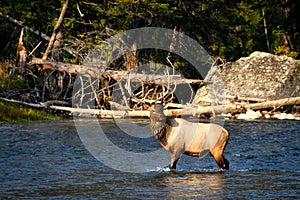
(47, 160)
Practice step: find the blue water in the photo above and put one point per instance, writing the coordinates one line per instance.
(47, 160)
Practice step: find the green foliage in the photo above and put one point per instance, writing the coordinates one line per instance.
(9, 83)
(13, 113)
(280, 50)
(293, 54)
(228, 29)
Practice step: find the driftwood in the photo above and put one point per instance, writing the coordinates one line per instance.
(232, 108)
(46, 104)
(185, 109)
(104, 113)
(274, 104)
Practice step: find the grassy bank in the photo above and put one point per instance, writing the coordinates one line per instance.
(14, 113)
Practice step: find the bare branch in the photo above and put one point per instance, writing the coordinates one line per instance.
(36, 32)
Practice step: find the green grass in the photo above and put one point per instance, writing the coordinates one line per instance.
(14, 113)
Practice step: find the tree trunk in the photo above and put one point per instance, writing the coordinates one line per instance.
(21, 56)
(266, 29)
(55, 30)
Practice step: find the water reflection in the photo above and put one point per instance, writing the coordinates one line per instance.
(192, 185)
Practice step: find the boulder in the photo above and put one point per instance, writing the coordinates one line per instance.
(260, 75)
(283, 116)
(249, 115)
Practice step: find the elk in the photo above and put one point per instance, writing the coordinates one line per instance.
(179, 136)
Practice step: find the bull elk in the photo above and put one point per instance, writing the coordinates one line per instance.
(179, 136)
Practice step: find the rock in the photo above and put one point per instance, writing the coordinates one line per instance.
(261, 75)
(249, 115)
(283, 116)
(226, 115)
(267, 116)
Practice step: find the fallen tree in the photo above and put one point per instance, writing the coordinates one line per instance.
(117, 75)
(233, 107)
(182, 110)
(188, 110)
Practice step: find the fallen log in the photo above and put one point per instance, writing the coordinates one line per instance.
(95, 72)
(273, 104)
(186, 109)
(35, 105)
(104, 113)
(233, 108)
(73, 69)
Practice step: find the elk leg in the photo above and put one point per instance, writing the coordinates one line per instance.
(217, 151)
(220, 160)
(224, 163)
(174, 159)
(173, 164)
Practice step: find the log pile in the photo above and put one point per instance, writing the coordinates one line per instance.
(133, 101)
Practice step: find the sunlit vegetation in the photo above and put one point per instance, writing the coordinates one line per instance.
(16, 113)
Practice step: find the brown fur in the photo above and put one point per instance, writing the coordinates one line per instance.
(179, 136)
(161, 126)
(161, 134)
(194, 154)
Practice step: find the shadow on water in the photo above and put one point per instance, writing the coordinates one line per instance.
(48, 160)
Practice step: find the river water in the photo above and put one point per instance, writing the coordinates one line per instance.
(47, 160)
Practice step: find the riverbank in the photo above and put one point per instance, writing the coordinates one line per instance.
(260, 86)
(14, 113)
